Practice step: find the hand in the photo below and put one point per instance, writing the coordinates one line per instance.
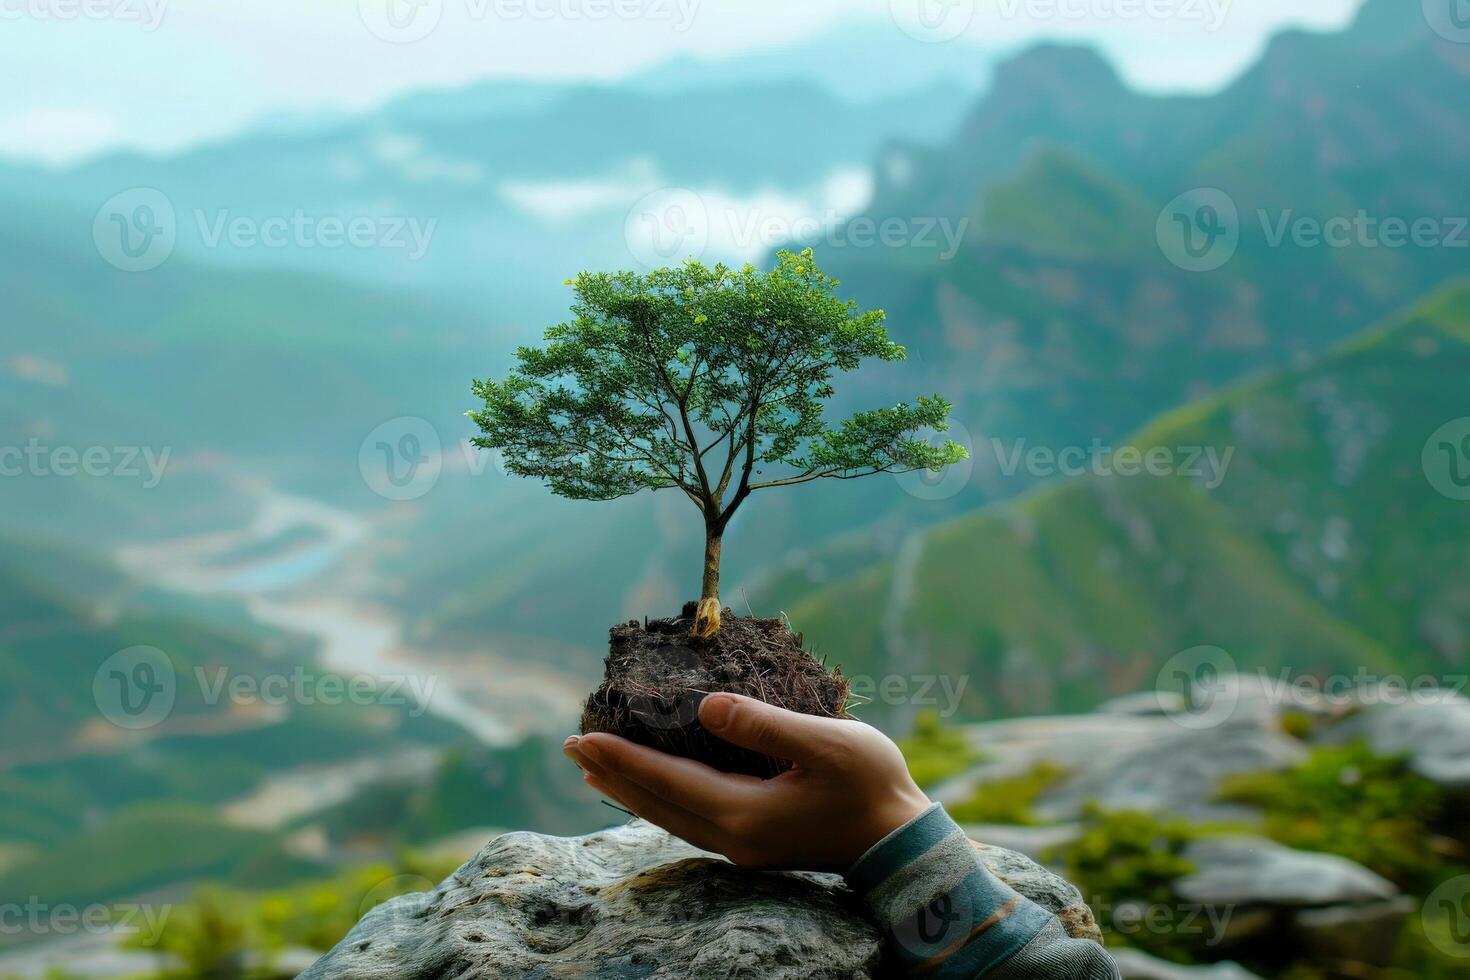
(848, 790)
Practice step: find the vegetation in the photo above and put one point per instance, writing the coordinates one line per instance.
(1115, 574)
(1125, 859)
(1346, 800)
(1009, 800)
(656, 372)
(935, 751)
(234, 935)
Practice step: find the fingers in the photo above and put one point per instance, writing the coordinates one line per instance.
(676, 820)
(764, 728)
(685, 783)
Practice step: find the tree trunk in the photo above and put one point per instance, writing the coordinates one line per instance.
(707, 619)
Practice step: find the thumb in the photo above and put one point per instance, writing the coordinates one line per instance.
(765, 728)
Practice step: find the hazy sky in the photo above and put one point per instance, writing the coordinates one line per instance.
(82, 75)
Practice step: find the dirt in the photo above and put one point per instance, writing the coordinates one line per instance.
(657, 675)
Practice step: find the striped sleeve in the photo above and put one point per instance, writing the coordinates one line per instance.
(947, 917)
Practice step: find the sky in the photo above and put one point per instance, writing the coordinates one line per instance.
(79, 77)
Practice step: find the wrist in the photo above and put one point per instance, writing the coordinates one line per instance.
(889, 816)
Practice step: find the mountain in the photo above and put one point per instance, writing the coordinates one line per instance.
(862, 62)
(1071, 310)
(500, 190)
(1329, 543)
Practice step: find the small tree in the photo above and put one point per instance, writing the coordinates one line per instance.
(699, 379)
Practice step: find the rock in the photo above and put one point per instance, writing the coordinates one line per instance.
(1432, 729)
(1145, 704)
(1134, 965)
(1328, 905)
(1361, 933)
(1179, 772)
(1240, 870)
(634, 902)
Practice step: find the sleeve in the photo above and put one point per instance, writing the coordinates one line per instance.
(947, 917)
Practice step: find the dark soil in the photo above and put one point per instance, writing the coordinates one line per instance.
(657, 675)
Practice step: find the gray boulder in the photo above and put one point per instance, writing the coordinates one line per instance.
(1134, 965)
(1242, 870)
(1179, 772)
(1329, 906)
(1432, 729)
(635, 902)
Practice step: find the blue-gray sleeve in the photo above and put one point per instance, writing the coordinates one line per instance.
(946, 916)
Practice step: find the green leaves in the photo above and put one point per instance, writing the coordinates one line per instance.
(695, 377)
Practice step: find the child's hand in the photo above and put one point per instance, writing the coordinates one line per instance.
(849, 789)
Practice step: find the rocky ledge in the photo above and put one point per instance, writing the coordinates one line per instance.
(633, 902)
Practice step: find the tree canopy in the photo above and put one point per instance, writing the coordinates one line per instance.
(707, 380)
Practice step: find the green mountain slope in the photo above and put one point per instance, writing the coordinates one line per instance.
(1323, 549)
